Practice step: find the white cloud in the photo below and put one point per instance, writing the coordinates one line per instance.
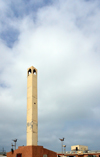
(63, 44)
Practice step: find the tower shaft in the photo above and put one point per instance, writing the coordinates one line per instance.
(32, 114)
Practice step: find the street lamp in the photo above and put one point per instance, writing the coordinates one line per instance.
(64, 149)
(15, 143)
(62, 143)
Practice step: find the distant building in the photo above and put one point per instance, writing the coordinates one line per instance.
(79, 148)
(79, 151)
(2, 152)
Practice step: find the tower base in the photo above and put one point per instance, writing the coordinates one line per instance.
(31, 151)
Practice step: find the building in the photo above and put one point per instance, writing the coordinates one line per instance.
(75, 154)
(32, 149)
(79, 151)
(79, 148)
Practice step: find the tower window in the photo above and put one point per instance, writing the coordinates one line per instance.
(29, 71)
(34, 72)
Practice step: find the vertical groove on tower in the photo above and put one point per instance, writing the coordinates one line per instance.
(32, 110)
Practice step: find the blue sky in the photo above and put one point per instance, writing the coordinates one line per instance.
(60, 39)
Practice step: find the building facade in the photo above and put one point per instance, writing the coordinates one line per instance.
(79, 148)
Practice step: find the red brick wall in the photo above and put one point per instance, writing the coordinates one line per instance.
(37, 151)
(49, 153)
(32, 151)
(22, 150)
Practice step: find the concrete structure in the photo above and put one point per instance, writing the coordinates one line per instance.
(79, 148)
(32, 114)
(79, 151)
(32, 150)
(75, 154)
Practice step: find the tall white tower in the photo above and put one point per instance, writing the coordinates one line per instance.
(32, 109)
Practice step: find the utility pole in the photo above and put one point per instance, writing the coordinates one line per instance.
(64, 149)
(15, 143)
(62, 143)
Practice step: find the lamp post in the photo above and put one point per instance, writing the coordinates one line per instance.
(64, 149)
(15, 143)
(62, 143)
